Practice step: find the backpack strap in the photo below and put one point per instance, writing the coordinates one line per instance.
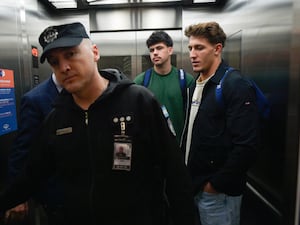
(147, 77)
(219, 95)
(182, 83)
(181, 77)
(262, 102)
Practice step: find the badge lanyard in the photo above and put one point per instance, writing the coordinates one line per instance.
(122, 146)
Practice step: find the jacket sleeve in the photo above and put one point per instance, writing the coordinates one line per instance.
(30, 120)
(242, 126)
(37, 169)
(178, 182)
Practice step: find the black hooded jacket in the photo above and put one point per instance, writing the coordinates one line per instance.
(78, 147)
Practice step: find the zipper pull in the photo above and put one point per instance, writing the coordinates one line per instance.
(86, 117)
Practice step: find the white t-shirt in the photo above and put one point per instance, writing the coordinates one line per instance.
(196, 100)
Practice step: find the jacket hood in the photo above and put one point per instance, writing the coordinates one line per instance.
(114, 75)
(117, 80)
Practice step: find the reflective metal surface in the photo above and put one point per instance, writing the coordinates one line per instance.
(263, 42)
(135, 19)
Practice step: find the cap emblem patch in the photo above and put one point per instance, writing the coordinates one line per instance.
(50, 35)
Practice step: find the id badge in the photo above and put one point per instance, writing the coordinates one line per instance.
(122, 153)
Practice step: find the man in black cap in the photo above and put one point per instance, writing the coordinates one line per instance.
(94, 116)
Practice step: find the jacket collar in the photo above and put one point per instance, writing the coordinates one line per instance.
(219, 72)
(217, 76)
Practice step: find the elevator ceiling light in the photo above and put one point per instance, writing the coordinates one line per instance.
(106, 2)
(86, 4)
(112, 2)
(63, 4)
(204, 1)
(156, 1)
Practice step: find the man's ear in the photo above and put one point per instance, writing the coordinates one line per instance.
(170, 49)
(218, 48)
(96, 53)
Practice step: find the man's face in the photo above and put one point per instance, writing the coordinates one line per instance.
(203, 54)
(74, 66)
(160, 53)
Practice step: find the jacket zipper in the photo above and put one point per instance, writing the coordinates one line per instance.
(91, 194)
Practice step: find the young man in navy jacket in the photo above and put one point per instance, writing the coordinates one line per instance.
(221, 141)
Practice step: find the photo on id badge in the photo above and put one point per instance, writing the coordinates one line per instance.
(122, 156)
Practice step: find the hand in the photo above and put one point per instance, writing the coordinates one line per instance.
(18, 213)
(209, 188)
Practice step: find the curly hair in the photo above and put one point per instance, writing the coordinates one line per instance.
(159, 36)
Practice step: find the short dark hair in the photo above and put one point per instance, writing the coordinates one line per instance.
(210, 30)
(159, 36)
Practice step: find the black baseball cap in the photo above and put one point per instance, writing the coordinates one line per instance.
(66, 35)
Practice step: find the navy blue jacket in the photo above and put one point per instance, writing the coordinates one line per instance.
(35, 106)
(224, 138)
